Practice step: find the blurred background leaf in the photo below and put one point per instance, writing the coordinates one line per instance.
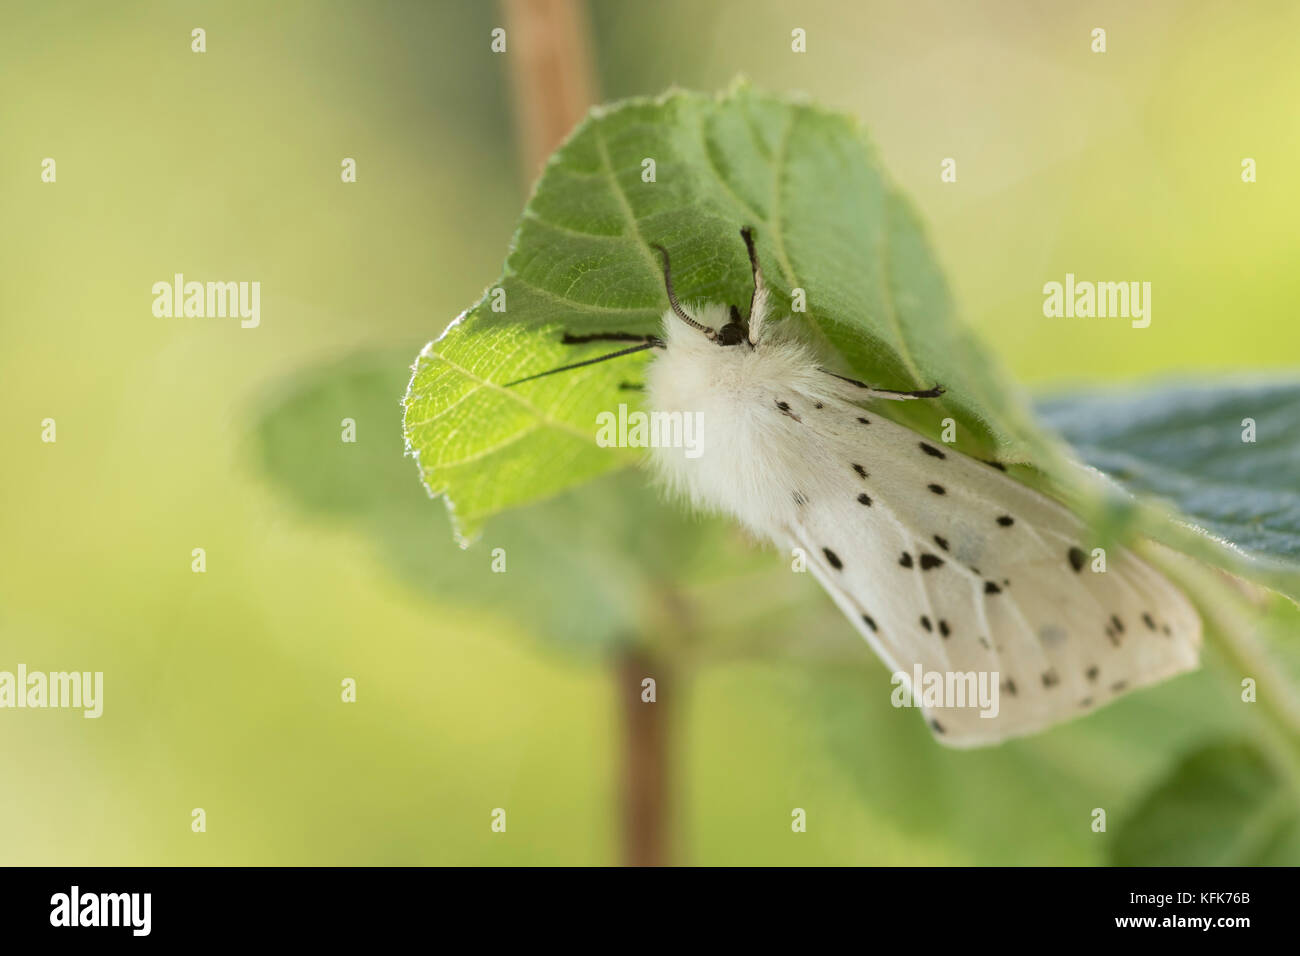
(1223, 805)
(586, 568)
(1184, 446)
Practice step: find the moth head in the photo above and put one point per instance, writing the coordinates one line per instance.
(734, 332)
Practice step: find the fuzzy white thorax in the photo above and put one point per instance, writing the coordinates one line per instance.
(747, 467)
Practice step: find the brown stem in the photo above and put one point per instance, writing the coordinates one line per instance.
(550, 68)
(645, 778)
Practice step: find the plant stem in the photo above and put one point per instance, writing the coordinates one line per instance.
(646, 773)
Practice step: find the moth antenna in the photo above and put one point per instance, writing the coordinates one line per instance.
(758, 302)
(672, 296)
(570, 339)
(652, 344)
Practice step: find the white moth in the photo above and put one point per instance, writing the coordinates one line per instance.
(938, 559)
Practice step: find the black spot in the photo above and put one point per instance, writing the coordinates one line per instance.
(870, 623)
(1146, 619)
(943, 628)
(1116, 623)
(905, 560)
(784, 408)
(799, 498)
(1009, 686)
(1006, 521)
(931, 451)
(996, 464)
(984, 642)
(941, 542)
(1050, 679)
(936, 726)
(929, 561)
(1118, 686)
(937, 489)
(865, 421)
(925, 623)
(818, 405)
(991, 588)
(1113, 635)
(833, 558)
(862, 472)
(864, 499)
(1091, 673)
(1077, 557)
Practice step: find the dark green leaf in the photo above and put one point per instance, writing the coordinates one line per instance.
(1183, 445)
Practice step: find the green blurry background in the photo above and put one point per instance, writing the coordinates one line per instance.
(222, 689)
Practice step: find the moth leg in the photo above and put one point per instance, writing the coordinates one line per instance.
(612, 337)
(887, 393)
(643, 342)
(631, 386)
(758, 301)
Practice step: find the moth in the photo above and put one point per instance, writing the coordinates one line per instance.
(940, 560)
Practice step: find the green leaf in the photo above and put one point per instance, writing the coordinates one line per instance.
(1238, 502)
(828, 222)
(626, 559)
(1223, 805)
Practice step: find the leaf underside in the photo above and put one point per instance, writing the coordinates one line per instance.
(1184, 445)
